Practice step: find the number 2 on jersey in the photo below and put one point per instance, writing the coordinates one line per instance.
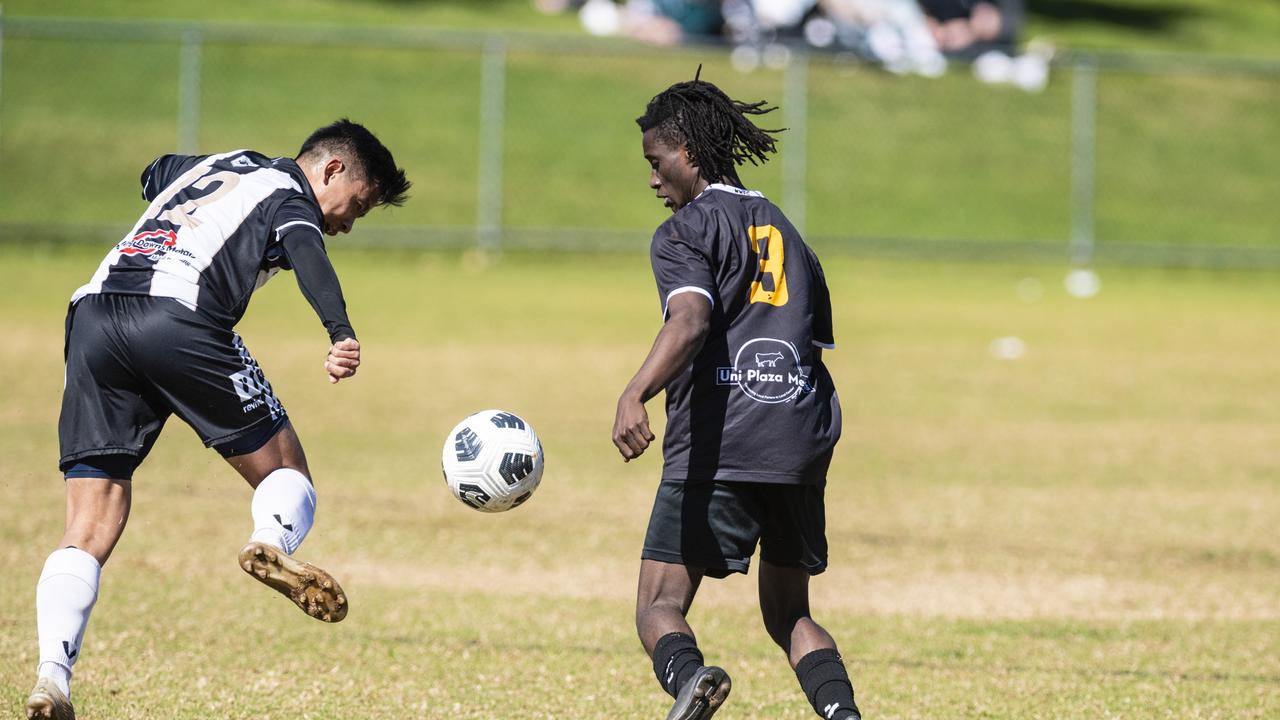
(770, 283)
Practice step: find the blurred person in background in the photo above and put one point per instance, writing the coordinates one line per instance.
(892, 33)
(655, 22)
(969, 27)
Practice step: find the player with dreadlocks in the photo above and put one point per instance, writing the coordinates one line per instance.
(752, 414)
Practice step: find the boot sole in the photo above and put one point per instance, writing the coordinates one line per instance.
(706, 692)
(43, 704)
(310, 588)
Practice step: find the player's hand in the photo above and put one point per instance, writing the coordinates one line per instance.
(344, 358)
(631, 434)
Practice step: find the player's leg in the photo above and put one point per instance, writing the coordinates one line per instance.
(665, 593)
(284, 498)
(793, 547)
(283, 511)
(695, 529)
(663, 597)
(106, 427)
(206, 374)
(810, 649)
(97, 509)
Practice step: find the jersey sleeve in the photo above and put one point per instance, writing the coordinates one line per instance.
(681, 263)
(823, 331)
(298, 237)
(164, 170)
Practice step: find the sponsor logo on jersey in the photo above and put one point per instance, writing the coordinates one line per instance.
(766, 370)
(148, 242)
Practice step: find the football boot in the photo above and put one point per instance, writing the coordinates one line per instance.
(309, 587)
(701, 695)
(48, 703)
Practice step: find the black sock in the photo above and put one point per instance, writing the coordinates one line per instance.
(826, 683)
(676, 658)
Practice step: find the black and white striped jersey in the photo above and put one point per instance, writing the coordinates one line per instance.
(218, 227)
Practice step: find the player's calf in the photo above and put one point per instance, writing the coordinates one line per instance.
(826, 683)
(698, 690)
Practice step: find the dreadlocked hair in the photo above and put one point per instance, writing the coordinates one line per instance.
(712, 126)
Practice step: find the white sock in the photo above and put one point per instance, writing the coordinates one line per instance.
(65, 595)
(284, 506)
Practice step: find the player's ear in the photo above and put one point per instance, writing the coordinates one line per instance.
(332, 168)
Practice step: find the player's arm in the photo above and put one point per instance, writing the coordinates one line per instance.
(679, 340)
(319, 285)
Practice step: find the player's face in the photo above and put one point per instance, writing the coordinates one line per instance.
(343, 198)
(673, 176)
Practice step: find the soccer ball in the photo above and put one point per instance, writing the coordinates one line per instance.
(492, 460)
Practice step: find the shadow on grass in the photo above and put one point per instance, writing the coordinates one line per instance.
(1113, 12)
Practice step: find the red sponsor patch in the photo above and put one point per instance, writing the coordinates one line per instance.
(149, 242)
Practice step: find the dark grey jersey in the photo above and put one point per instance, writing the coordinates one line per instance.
(756, 404)
(213, 233)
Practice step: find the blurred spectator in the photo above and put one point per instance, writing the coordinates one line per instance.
(667, 22)
(555, 7)
(968, 28)
(903, 36)
(893, 33)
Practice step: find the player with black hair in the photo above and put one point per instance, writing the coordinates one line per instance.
(752, 414)
(152, 335)
(373, 162)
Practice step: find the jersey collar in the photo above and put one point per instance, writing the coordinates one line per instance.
(290, 166)
(730, 189)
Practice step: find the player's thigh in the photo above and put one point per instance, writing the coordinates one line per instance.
(206, 374)
(793, 533)
(706, 524)
(282, 450)
(108, 412)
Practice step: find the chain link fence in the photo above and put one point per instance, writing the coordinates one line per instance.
(521, 140)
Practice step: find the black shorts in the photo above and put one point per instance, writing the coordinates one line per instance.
(716, 525)
(133, 360)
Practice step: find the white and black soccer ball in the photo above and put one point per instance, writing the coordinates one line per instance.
(492, 460)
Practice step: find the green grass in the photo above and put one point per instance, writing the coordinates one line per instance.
(496, 14)
(1241, 27)
(1182, 159)
(1089, 530)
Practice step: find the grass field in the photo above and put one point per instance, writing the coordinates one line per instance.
(1186, 158)
(1089, 531)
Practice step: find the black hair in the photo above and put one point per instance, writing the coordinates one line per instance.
(363, 148)
(712, 126)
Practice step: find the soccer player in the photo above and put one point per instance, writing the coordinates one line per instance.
(752, 415)
(151, 335)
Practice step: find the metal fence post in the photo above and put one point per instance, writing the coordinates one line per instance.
(492, 124)
(1084, 104)
(189, 93)
(1, 80)
(794, 159)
